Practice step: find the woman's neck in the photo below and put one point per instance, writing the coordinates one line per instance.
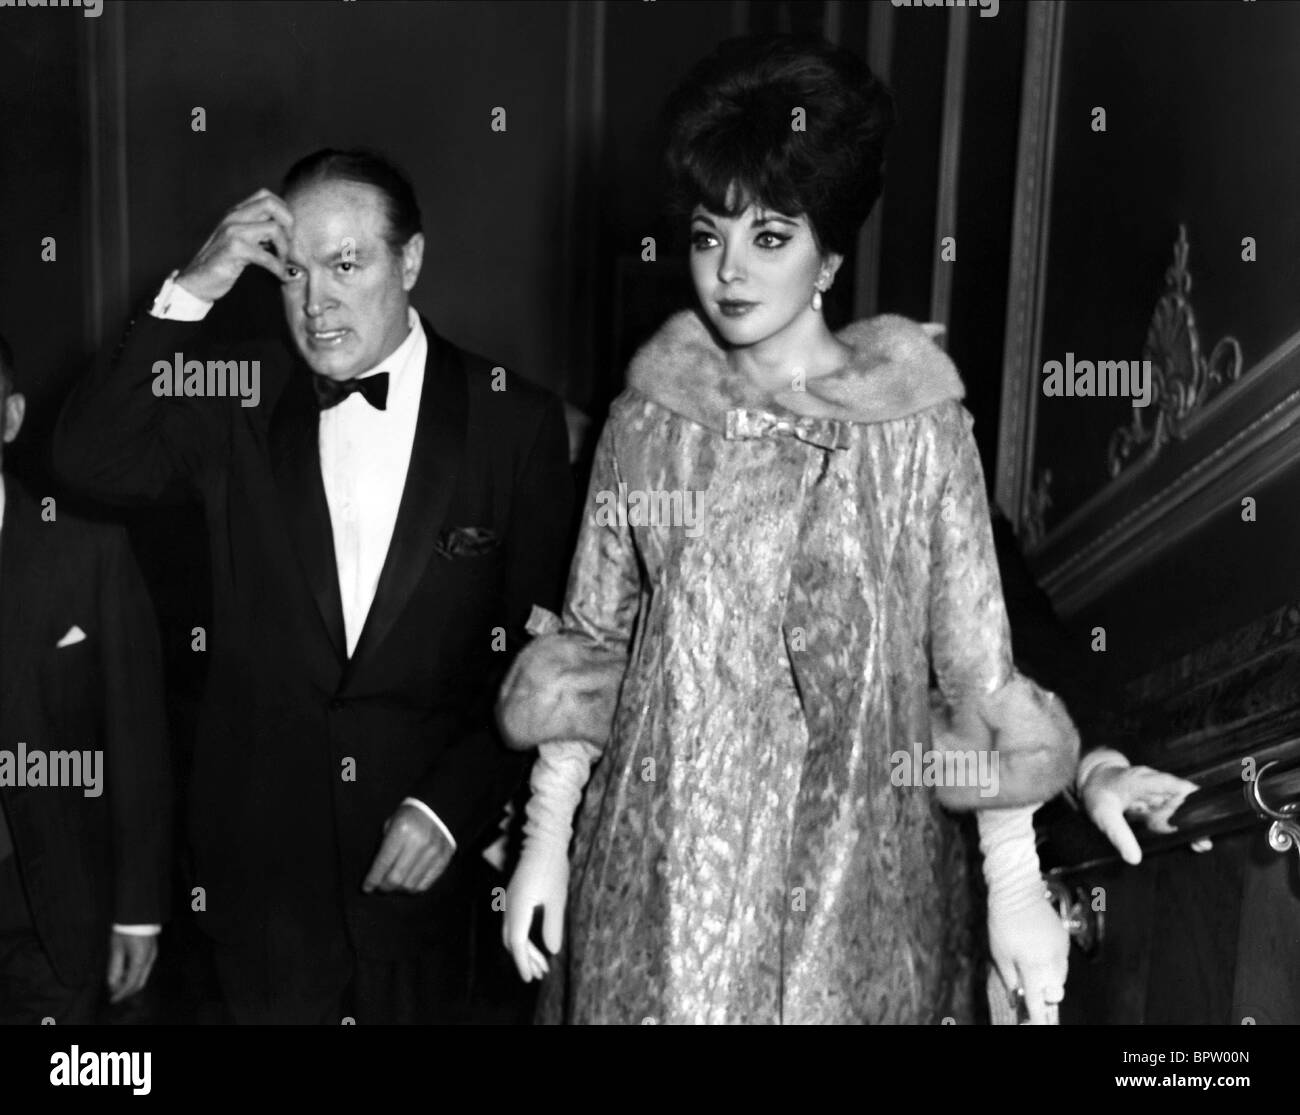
(805, 349)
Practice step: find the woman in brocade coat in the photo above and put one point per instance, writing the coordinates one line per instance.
(786, 529)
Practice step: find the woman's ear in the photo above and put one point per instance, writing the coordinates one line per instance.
(830, 265)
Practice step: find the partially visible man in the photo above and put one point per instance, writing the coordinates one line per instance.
(1111, 789)
(85, 792)
(383, 509)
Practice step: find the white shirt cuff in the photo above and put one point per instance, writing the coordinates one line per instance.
(138, 930)
(433, 817)
(175, 303)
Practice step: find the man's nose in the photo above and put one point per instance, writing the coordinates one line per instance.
(316, 298)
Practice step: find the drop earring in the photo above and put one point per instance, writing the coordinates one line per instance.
(817, 299)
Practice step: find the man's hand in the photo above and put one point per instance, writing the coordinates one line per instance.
(413, 855)
(255, 231)
(130, 960)
(1109, 792)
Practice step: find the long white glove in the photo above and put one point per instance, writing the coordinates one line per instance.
(1030, 946)
(542, 877)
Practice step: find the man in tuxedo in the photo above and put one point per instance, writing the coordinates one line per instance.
(384, 510)
(84, 785)
(1111, 790)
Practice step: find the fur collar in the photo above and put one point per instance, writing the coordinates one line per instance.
(896, 370)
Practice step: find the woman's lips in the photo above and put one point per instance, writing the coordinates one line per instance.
(734, 307)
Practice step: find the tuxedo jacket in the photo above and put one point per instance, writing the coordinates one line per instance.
(86, 861)
(302, 752)
(1044, 648)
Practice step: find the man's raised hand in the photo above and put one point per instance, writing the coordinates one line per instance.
(255, 231)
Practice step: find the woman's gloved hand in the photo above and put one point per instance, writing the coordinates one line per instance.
(1029, 944)
(542, 877)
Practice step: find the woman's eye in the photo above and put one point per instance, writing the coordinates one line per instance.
(771, 240)
(291, 272)
(346, 267)
(701, 241)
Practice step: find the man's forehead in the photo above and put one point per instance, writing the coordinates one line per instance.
(335, 203)
(333, 238)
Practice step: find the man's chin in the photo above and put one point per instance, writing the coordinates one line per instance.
(331, 365)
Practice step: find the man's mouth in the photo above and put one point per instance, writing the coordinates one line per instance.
(326, 338)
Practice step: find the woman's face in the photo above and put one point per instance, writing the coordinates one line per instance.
(754, 273)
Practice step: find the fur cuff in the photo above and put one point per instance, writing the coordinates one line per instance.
(560, 687)
(1033, 743)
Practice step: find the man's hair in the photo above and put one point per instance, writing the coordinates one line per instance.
(368, 168)
(732, 140)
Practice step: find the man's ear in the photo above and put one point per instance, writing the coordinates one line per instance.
(412, 259)
(15, 410)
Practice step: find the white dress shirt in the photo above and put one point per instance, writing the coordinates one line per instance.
(129, 930)
(364, 454)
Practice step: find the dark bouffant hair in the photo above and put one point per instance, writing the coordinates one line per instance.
(730, 124)
(369, 168)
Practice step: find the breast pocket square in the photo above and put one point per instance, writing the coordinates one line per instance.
(459, 542)
(73, 636)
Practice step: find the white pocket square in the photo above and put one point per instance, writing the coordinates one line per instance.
(75, 635)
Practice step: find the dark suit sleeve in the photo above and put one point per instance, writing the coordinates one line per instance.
(119, 442)
(1043, 648)
(136, 767)
(473, 780)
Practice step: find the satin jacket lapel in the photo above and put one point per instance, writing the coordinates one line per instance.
(295, 461)
(19, 585)
(431, 477)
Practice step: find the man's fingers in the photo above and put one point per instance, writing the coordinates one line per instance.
(263, 205)
(435, 869)
(249, 243)
(261, 234)
(116, 963)
(136, 971)
(428, 869)
(131, 961)
(384, 860)
(1110, 820)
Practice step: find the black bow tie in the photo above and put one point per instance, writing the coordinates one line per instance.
(331, 392)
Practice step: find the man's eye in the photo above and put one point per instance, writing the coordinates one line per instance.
(291, 272)
(347, 266)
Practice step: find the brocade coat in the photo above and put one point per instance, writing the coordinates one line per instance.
(742, 854)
